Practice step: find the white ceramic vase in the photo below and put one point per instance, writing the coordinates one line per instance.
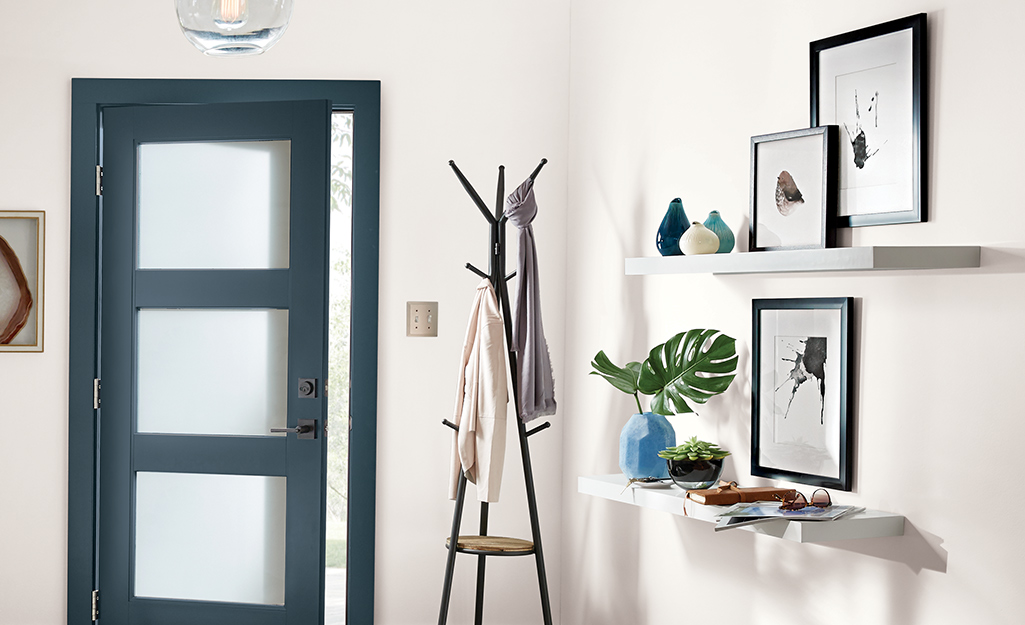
(699, 240)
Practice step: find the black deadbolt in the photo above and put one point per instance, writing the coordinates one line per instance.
(307, 388)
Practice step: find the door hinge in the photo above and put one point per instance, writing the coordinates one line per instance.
(96, 394)
(99, 180)
(96, 605)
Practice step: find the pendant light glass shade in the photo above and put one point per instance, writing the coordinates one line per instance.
(233, 27)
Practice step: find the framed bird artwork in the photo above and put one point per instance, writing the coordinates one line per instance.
(793, 190)
(872, 83)
(802, 421)
(21, 281)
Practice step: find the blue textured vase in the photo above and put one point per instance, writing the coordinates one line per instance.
(643, 436)
(674, 224)
(721, 230)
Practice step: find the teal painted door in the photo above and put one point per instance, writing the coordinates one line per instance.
(214, 240)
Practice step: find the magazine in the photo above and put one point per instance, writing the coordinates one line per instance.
(742, 514)
(729, 522)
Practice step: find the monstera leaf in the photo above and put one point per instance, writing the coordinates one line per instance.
(623, 378)
(693, 365)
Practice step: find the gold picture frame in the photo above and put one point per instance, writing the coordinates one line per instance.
(22, 235)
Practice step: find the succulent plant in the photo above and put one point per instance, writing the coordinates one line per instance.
(694, 449)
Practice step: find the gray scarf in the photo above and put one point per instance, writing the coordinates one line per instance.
(534, 366)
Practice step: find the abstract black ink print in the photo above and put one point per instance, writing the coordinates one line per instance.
(873, 107)
(788, 196)
(809, 362)
(859, 142)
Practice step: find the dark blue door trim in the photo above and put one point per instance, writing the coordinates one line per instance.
(89, 98)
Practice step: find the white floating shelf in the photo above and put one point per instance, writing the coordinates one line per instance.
(832, 259)
(867, 524)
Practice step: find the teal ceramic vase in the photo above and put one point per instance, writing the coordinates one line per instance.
(721, 230)
(674, 224)
(643, 436)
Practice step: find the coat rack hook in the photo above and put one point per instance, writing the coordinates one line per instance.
(477, 271)
(500, 195)
(543, 426)
(472, 193)
(538, 168)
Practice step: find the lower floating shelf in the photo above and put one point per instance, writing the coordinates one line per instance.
(866, 524)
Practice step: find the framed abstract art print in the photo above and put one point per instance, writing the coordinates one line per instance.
(801, 417)
(872, 84)
(793, 190)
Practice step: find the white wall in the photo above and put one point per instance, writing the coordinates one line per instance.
(482, 83)
(665, 96)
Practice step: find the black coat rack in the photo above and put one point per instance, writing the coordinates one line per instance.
(483, 545)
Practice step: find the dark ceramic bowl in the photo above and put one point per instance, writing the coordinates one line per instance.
(695, 474)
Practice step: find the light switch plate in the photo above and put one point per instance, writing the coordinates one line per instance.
(421, 318)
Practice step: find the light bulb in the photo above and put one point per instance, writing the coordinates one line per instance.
(233, 27)
(230, 14)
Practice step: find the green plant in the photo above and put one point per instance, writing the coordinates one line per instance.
(694, 449)
(695, 365)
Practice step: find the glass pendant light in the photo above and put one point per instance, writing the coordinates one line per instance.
(233, 27)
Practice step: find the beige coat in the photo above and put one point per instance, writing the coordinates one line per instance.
(478, 448)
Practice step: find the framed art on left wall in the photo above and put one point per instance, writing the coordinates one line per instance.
(21, 281)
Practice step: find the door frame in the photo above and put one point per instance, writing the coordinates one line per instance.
(89, 97)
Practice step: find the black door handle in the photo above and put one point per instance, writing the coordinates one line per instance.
(306, 429)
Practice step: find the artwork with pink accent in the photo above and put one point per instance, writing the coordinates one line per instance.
(21, 281)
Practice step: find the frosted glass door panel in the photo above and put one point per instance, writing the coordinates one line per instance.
(210, 537)
(214, 205)
(212, 371)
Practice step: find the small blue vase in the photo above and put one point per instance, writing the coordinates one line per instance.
(674, 224)
(721, 230)
(643, 436)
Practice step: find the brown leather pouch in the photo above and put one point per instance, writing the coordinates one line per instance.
(729, 493)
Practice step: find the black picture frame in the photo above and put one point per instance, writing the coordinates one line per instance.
(813, 337)
(794, 189)
(893, 56)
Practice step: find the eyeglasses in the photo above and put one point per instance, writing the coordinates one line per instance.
(794, 500)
